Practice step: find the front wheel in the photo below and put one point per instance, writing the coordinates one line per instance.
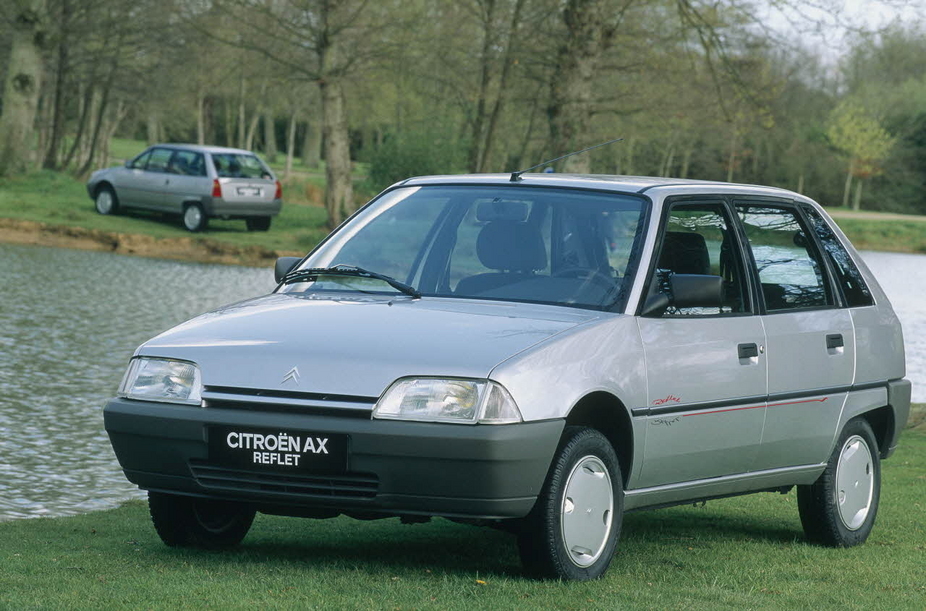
(573, 529)
(194, 218)
(839, 509)
(183, 521)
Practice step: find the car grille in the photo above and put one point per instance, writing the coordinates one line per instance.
(315, 486)
(229, 397)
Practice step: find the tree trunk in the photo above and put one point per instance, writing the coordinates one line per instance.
(590, 27)
(200, 118)
(290, 144)
(508, 61)
(857, 201)
(23, 84)
(152, 129)
(731, 159)
(242, 112)
(800, 183)
(311, 146)
(57, 121)
(485, 62)
(686, 161)
(339, 194)
(628, 163)
(848, 186)
(229, 124)
(270, 138)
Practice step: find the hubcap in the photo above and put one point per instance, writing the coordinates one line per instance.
(104, 202)
(587, 512)
(855, 482)
(192, 217)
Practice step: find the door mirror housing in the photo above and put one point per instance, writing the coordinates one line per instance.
(283, 266)
(688, 291)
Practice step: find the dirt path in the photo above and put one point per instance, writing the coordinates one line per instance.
(203, 250)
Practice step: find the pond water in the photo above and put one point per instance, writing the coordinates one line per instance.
(71, 319)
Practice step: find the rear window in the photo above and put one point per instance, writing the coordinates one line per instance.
(239, 165)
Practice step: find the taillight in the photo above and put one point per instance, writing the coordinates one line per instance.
(216, 188)
(279, 191)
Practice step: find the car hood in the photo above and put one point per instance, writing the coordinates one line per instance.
(356, 345)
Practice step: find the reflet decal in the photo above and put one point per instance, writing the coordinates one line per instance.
(668, 399)
(666, 421)
(292, 374)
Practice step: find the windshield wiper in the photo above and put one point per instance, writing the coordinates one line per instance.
(307, 275)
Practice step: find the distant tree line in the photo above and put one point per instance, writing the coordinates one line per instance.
(697, 88)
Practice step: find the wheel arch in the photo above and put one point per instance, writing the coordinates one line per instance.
(881, 421)
(606, 413)
(102, 185)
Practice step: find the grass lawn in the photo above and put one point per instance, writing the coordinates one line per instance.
(742, 553)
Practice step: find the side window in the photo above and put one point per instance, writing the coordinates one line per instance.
(698, 240)
(187, 163)
(790, 270)
(850, 279)
(141, 161)
(158, 160)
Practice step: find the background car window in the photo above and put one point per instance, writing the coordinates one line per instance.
(239, 165)
(850, 279)
(158, 160)
(790, 271)
(139, 162)
(698, 240)
(187, 163)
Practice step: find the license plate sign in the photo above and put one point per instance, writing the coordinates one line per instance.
(274, 450)
(250, 191)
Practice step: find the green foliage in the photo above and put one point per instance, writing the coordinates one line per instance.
(860, 136)
(418, 153)
(741, 553)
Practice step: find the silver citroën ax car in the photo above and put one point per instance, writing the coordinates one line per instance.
(539, 352)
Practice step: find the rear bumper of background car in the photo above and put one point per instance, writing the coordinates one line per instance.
(470, 471)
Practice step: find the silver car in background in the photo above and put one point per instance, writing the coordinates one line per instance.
(195, 182)
(542, 353)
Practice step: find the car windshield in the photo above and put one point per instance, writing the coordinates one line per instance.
(541, 245)
(239, 165)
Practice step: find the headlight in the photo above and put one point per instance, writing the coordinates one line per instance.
(164, 380)
(448, 400)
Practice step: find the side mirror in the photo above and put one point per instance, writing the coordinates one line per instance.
(283, 266)
(128, 163)
(696, 291)
(688, 291)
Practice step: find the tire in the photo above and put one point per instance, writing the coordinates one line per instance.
(106, 201)
(839, 509)
(194, 218)
(183, 521)
(562, 537)
(258, 223)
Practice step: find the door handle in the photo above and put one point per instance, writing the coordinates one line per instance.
(834, 341)
(747, 351)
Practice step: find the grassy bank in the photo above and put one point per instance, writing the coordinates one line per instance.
(742, 553)
(57, 203)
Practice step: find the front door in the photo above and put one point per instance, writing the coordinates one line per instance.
(706, 370)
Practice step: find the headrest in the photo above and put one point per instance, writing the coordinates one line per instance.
(685, 253)
(512, 246)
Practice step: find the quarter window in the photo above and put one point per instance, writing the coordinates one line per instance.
(187, 163)
(790, 270)
(850, 279)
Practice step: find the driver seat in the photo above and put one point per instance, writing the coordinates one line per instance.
(514, 249)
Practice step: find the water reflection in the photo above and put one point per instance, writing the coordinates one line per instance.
(68, 324)
(71, 319)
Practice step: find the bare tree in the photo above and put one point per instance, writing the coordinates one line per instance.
(23, 84)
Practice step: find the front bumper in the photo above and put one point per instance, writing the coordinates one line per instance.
(397, 468)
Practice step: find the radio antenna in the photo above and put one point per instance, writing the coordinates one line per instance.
(516, 176)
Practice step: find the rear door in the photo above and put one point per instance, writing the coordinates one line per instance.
(706, 373)
(810, 343)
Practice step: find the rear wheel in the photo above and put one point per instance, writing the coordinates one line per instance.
(194, 218)
(106, 201)
(839, 509)
(573, 529)
(183, 521)
(258, 223)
